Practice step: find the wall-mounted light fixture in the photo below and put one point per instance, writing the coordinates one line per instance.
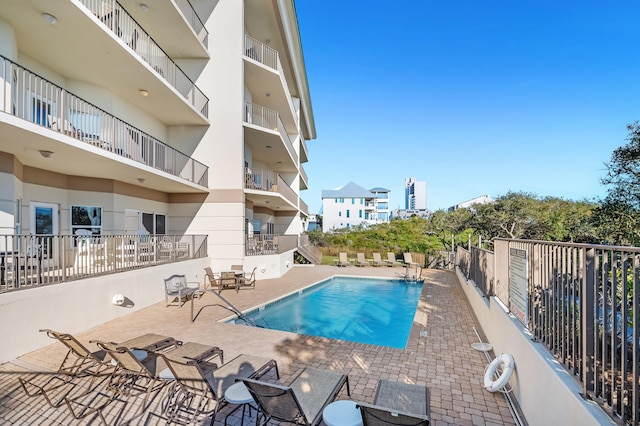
(144, 93)
(142, 180)
(144, 7)
(49, 18)
(45, 153)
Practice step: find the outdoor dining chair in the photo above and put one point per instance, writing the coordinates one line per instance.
(302, 401)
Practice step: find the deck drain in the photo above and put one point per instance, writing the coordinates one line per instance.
(423, 333)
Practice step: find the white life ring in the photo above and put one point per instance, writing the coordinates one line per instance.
(507, 364)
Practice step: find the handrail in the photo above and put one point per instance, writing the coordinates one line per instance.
(266, 180)
(581, 301)
(116, 18)
(269, 119)
(31, 97)
(194, 21)
(29, 261)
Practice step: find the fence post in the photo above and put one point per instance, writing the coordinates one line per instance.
(587, 302)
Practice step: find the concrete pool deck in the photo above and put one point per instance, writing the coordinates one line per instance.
(438, 354)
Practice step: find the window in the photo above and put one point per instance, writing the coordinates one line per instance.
(360, 213)
(361, 200)
(17, 218)
(154, 223)
(348, 213)
(86, 217)
(353, 201)
(339, 214)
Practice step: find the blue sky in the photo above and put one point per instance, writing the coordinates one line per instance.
(474, 97)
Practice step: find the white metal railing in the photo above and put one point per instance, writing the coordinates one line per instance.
(266, 180)
(304, 175)
(269, 119)
(194, 21)
(262, 53)
(28, 96)
(263, 244)
(28, 261)
(116, 18)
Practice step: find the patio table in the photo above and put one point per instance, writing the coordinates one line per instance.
(404, 397)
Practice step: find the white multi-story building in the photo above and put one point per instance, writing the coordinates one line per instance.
(185, 120)
(483, 199)
(352, 205)
(415, 194)
(383, 214)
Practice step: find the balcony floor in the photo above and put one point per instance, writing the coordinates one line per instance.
(442, 358)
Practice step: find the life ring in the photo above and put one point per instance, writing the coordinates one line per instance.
(507, 364)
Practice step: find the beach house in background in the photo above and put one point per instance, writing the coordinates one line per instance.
(483, 199)
(415, 200)
(166, 134)
(352, 205)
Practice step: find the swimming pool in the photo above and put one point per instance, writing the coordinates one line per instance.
(374, 311)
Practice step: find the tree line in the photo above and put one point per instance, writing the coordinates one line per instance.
(613, 220)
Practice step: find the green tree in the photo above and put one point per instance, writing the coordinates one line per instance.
(618, 217)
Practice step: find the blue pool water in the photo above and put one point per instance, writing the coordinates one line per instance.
(374, 311)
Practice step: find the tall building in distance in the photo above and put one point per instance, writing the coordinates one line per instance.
(415, 194)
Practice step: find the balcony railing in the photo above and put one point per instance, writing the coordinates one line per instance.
(28, 261)
(304, 208)
(304, 175)
(266, 180)
(582, 303)
(194, 21)
(269, 119)
(262, 53)
(264, 244)
(33, 98)
(116, 18)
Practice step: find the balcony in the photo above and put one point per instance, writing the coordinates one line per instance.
(304, 180)
(268, 138)
(30, 261)
(45, 105)
(268, 189)
(304, 151)
(266, 244)
(265, 78)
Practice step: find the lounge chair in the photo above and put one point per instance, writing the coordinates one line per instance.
(134, 372)
(397, 403)
(377, 260)
(78, 362)
(391, 259)
(408, 261)
(201, 387)
(342, 260)
(360, 260)
(302, 401)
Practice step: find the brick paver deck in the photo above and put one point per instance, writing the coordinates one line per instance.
(438, 354)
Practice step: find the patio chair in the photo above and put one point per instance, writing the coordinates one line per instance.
(408, 261)
(391, 259)
(78, 362)
(360, 260)
(302, 401)
(201, 387)
(342, 260)
(177, 289)
(377, 260)
(397, 403)
(250, 281)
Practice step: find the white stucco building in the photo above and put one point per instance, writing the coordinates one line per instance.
(352, 205)
(169, 134)
(415, 192)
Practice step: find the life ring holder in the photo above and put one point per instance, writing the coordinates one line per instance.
(506, 363)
